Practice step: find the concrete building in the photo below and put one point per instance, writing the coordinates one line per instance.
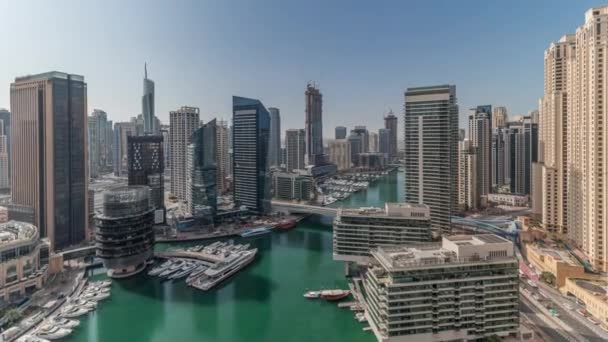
(201, 193)
(593, 294)
(49, 164)
(553, 135)
(124, 236)
(480, 135)
(463, 289)
(468, 197)
(358, 231)
(151, 125)
(21, 269)
(222, 145)
(560, 263)
(499, 117)
(100, 143)
(373, 142)
(122, 130)
(339, 154)
(293, 186)
(390, 122)
(509, 199)
(340, 132)
(146, 167)
(274, 146)
(295, 149)
(431, 151)
(314, 125)
(183, 122)
(251, 176)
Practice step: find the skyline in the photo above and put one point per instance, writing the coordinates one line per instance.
(360, 52)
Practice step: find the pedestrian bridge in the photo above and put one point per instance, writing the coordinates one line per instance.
(296, 208)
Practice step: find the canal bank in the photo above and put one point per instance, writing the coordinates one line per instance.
(261, 303)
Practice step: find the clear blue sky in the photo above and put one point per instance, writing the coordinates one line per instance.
(363, 54)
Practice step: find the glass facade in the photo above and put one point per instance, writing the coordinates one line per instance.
(203, 177)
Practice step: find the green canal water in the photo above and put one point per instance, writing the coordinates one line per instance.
(261, 303)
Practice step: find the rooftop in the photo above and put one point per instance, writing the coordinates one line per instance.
(50, 74)
(15, 232)
(558, 255)
(410, 210)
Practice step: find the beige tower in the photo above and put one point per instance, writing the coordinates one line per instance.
(339, 153)
(499, 117)
(587, 141)
(553, 136)
(183, 122)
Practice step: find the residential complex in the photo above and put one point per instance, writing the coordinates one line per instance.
(358, 231)
(295, 149)
(101, 138)
(468, 197)
(293, 186)
(390, 123)
(49, 160)
(251, 176)
(183, 122)
(464, 288)
(431, 151)
(480, 135)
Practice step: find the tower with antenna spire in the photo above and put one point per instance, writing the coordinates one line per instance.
(147, 105)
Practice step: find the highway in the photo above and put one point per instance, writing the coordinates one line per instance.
(540, 322)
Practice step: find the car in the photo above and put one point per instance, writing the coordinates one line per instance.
(592, 320)
(535, 296)
(582, 312)
(554, 313)
(532, 283)
(568, 306)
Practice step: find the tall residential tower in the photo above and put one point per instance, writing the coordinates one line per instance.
(314, 125)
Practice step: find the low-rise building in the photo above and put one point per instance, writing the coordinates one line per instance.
(558, 262)
(292, 186)
(358, 231)
(21, 270)
(464, 288)
(591, 292)
(509, 199)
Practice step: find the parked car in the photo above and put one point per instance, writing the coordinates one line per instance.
(568, 306)
(593, 320)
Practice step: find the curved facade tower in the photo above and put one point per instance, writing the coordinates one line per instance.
(124, 235)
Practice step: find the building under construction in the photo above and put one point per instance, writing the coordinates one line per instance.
(124, 235)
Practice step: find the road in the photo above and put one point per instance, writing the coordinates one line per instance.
(540, 322)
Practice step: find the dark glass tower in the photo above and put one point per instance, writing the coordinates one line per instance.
(147, 106)
(202, 165)
(251, 126)
(146, 166)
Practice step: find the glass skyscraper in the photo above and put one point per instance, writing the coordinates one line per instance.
(251, 126)
(147, 106)
(202, 180)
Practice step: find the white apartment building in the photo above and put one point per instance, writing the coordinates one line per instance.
(358, 231)
(464, 288)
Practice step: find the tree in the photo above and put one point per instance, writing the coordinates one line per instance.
(12, 316)
(492, 338)
(548, 278)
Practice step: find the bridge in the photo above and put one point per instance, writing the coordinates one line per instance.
(75, 253)
(296, 208)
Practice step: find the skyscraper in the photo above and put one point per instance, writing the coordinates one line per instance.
(553, 135)
(5, 116)
(373, 142)
(468, 197)
(49, 163)
(122, 130)
(587, 185)
(384, 141)
(314, 125)
(202, 174)
(295, 146)
(147, 106)
(100, 147)
(4, 165)
(340, 132)
(498, 158)
(499, 117)
(480, 135)
(183, 122)
(274, 147)
(431, 151)
(222, 164)
(521, 145)
(146, 167)
(390, 122)
(251, 126)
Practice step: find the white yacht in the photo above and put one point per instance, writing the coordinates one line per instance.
(64, 322)
(85, 304)
(52, 332)
(176, 265)
(101, 283)
(231, 264)
(72, 311)
(161, 268)
(95, 297)
(31, 338)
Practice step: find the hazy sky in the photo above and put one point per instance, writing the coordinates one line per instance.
(363, 54)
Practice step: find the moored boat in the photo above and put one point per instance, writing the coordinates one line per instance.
(312, 294)
(50, 332)
(333, 295)
(256, 231)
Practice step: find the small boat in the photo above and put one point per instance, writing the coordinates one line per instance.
(160, 268)
(312, 294)
(286, 224)
(31, 338)
(195, 273)
(334, 295)
(361, 317)
(52, 332)
(101, 283)
(185, 270)
(173, 268)
(256, 231)
(95, 297)
(72, 311)
(84, 304)
(64, 322)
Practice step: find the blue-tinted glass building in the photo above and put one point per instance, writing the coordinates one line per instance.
(250, 136)
(202, 179)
